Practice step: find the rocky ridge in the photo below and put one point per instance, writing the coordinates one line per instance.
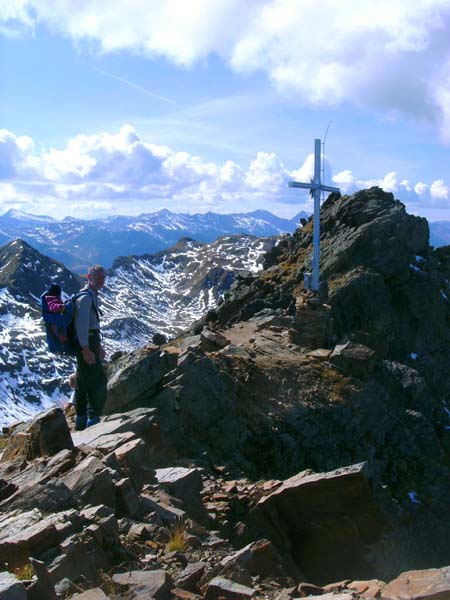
(297, 445)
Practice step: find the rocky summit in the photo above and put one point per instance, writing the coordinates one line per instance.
(288, 445)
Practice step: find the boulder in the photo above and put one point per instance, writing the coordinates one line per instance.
(120, 428)
(133, 375)
(46, 435)
(219, 587)
(354, 359)
(190, 576)
(157, 583)
(127, 499)
(327, 519)
(90, 482)
(429, 584)
(28, 534)
(212, 340)
(258, 558)
(170, 515)
(133, 459)
(181, 482)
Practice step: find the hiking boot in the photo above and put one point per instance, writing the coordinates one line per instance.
(93, 421)
(80, 422)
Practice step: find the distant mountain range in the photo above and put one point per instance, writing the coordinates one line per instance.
(164, 292)
(79, 243)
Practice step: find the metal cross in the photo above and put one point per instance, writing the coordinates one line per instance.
(315, 187)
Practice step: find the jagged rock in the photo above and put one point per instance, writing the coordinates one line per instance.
(127, 498)
(190, 576)
(181, 482)
(170, 515)
(130, 379)
(157, 583)
(139, 423)
(133, 460)
(219, 587)
(47, 496)
(140, 530)
(419, 585)
(85, 554)
(326, 518)
(43, 587)
(45, 435)
(320, 354)
(355, 359)
(159, 339)
(212, 340)
(30, 534)
(90, 482)
(11, 588)
(258, 558)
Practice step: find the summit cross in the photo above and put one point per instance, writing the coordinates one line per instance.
(315, 187)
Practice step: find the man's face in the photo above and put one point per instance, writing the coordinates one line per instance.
(97, 279)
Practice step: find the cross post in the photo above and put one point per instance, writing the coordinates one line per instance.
(315, 187)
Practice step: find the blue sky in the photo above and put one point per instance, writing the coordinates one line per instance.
(215, 105)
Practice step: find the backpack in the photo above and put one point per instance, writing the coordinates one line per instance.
(60, 328)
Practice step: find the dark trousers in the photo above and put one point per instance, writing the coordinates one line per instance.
(90, 393)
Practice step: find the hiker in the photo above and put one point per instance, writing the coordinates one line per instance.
(90, 393)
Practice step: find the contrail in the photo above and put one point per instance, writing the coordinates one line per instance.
(135, 86)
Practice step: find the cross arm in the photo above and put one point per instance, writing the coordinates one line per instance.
(305, 186)
(329, 188)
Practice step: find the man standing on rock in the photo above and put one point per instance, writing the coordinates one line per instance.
(90, 393)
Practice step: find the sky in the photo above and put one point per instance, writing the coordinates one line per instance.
(214, 105)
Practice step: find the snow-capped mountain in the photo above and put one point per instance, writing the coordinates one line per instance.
(174, 287)
(78, 243)
(164, 292)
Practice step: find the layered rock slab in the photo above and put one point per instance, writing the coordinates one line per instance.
(326, 519)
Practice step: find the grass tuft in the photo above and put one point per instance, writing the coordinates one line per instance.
(177, 537)
(24, 573)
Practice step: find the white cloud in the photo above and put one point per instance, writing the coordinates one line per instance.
(329, 52)
(122, 173)
(421, 188)
(418, 198)
(439, 190)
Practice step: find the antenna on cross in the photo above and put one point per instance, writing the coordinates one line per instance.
(315, 187)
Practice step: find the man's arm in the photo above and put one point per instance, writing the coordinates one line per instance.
(82, 318)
